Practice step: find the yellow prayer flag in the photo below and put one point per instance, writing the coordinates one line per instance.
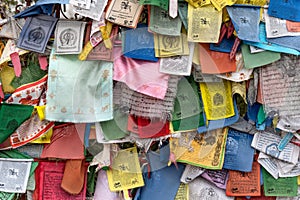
(240, 88)
(183, 192)
(217, 100)
(125, 172)
(207, 150)
(178, 146)
(7, 74)
(45, 138)
(225, 16)
(204, 24)
(198, 3)
(167, 46)
(220, 4)
(252, 2)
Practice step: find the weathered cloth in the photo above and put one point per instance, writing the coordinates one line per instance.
(146, 106)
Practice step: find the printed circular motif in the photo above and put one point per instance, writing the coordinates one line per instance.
(36, 35)
(68, 37)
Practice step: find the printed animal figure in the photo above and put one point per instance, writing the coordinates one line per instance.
(143, 39)
(29, 101)
(13, 172)
(19, 187)
(271, 190)
(105, 74)
(134, 181)
(164, 14)
(125, 6)
(204, 21)
(244, 20)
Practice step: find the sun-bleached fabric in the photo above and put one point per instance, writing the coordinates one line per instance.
(141, 76)
(147, 106)
(279, 89)
(245, 21)
(79, 91)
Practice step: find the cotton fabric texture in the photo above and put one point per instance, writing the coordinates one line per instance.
(90, 84)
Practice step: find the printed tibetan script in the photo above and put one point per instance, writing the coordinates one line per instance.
(280, 82)
(126, 172)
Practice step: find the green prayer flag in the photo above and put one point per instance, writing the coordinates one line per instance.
(189, 123)
(259, 59)
(287, 186)
(30, 74)
(164, 4)
(7, 195)
(11, 117)
(115, 128)
(91, 177)
(188, 108)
